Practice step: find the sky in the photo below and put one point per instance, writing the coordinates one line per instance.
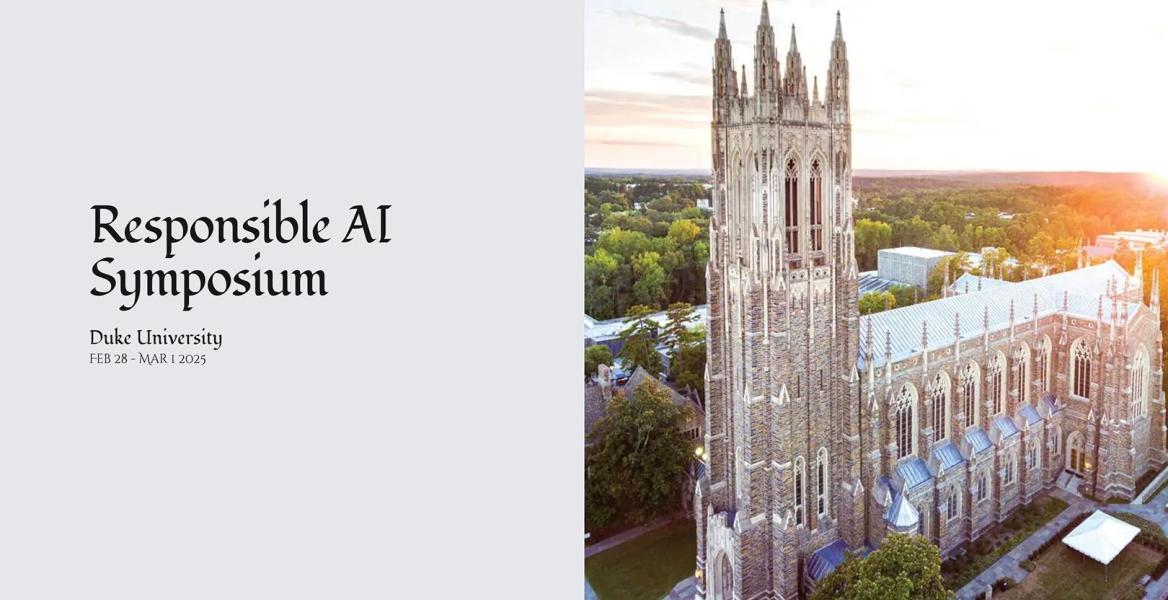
(993, 84)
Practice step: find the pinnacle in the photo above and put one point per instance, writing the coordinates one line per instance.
(722, 25)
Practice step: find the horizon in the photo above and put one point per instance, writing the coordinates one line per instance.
(1051, 87)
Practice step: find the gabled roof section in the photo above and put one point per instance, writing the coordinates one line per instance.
(1005, 427)
(901, 514)
(1082, 289)
(947, 456)
(1029, 414)
(977, 441)
(826, 559)
(913, 472)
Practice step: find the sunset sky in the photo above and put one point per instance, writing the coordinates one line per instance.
(994, 84)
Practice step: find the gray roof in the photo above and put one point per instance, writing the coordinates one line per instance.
(913, 472)
(611, 328)
(972, 283)
(948, 456)
(594, 406)
(1005, 426)
(901, 514)
(977, 439)
(1083, 289)
(826, 559)
(1051, 403)
(871, 282)
(1029, 414)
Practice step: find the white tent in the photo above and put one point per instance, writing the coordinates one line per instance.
(1101, 536)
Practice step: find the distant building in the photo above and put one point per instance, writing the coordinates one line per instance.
(908, 265)
(704, 203)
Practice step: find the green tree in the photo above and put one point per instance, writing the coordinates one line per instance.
(945, 239)
(639, 341)
(650, 288)
(874, 302)
(636, 464)
(904, 567)
(871, 236)
(912, 232)
(594, 356)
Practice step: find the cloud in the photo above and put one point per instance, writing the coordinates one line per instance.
(670, 102)
(694, 77)
(618, 142)
(667, 24)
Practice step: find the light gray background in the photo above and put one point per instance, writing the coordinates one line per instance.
(414, 434)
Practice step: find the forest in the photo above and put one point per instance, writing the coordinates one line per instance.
(646, 239)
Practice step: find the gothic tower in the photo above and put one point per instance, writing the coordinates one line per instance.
(782, 430)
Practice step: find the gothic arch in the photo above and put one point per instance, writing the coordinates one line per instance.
(1076, 453)
(799, 483)
(1139, 384)
(722, 578)
(791, 220)
(1079, 369)
(996, 383)
(904, 412)
(1021, 385)
(969, 386)
(1042, 364)
(822, 483)
(939, 394)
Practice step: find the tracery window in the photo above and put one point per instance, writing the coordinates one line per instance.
(821, 482)
(953, 507)
(995, 384)
(1042, 365)
(903, 416)
(791, 203)
(1022, 381)
(800, 473)
(816, 207)
(1008, 476)
(1080, 369)
(938, 394)
(968, 384)
(1139, 393)
(981, 487)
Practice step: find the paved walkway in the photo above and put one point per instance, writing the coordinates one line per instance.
(1009, 565)
(630, 534)
(684, 590)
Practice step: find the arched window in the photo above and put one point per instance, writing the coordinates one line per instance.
(816, 206)
(953, 504)
(905, 424)
(821, 482)
(996, 383)
(800, 489)
(1008, 476)
(1076, 457)
(1022, 378)
(1042, 365)
(981, 487)
(1139, 385)
(726, 577)
(1080, 369)
(791, 204)
(1032, 461)
(938, 394)
(968, 385)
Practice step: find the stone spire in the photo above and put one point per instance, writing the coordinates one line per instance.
(743, 90)
(725, 83)
(836, 88)
(839, 28)
(766, 63)
(815, 90)
(794, 83)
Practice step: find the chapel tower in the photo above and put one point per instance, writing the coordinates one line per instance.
(783, 421)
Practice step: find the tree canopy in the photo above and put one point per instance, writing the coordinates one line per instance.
(904, 567)
(634, 468)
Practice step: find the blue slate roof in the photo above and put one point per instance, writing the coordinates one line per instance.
(901, 514)
(978, 440)
(869, 281)
(1051, 403)
(948, 456)
(1005, 426)
(913, 471)
(826, 559)
(1029, 414)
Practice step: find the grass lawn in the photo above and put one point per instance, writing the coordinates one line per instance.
(984, 552)
(1064, 573)
(645, 568)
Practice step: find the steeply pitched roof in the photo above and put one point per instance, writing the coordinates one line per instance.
(1082, 289)
(826, 559)
(947, 456)
(913, 472)
(901, 514)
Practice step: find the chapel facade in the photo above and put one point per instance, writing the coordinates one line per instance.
(826, 430)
